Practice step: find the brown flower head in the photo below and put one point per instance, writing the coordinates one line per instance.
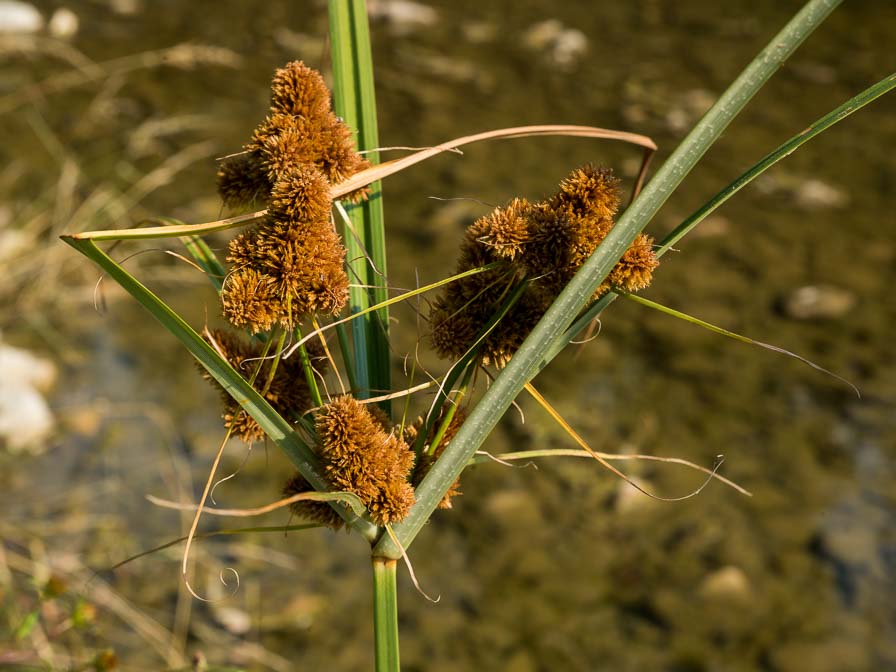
(546, 243)
(249, 299)
(307, 273)
(301, 194)
(242, 181)
(505, 231)
(300, 129)
(242, 249)
(299, 91)
(634, 270)
(283, 141)
(588, 192)
(452, 330)
(338, 158)
(360, 456)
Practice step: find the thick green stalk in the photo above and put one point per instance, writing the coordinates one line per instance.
(532, 355)
(355, 102)
(385, 615)
(308, 370)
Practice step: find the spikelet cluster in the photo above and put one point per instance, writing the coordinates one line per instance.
(292, 264)
(546, 243)
(360, 454)
(300, 129)
(426, 460)
(288, 392)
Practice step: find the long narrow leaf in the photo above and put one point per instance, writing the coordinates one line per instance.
(737, 337)
(355, 102)
(383, 170)
(278, 429)
(786, 149)
(550, 331)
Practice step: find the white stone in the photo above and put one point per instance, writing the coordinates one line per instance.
(818, 195)
(63, 24)
(22, 369)
(403, 15)
(25, 417)
(19, 17)
(727, 582)
(12, 244)
(814, 302)
(561, 45)
(125, 7)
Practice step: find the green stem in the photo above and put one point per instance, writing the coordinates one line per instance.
(452, 409)
(346, 349)
(385, 615)
(534, 352)
(355, 102)
(275, 364)
(309, 372)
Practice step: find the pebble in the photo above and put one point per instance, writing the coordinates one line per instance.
(818, 195)
(814, 302)
(562, 46)
(125, 7)
(19, 17)
(714, 226)
(25, 417)
(726, 582)
(403, 16)
(63, 24)
(629, 499)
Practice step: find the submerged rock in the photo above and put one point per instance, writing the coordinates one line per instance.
(818, 195)
(814, 302)
(727, 582)
(19, 17)
(63, 24)
(25, 417)
(403, 16)
(562, 46)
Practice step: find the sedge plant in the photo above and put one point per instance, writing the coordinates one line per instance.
(307, 360)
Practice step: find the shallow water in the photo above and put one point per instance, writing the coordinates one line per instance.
(559, 568)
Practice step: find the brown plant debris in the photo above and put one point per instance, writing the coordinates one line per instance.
(288, 392)
(543, 244)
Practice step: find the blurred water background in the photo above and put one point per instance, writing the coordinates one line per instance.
(113, 111)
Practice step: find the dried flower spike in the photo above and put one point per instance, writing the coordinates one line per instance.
(242, 181)
(249, 300)
(299, 91)
(360, 456)
(301, 194)
(545, 243)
